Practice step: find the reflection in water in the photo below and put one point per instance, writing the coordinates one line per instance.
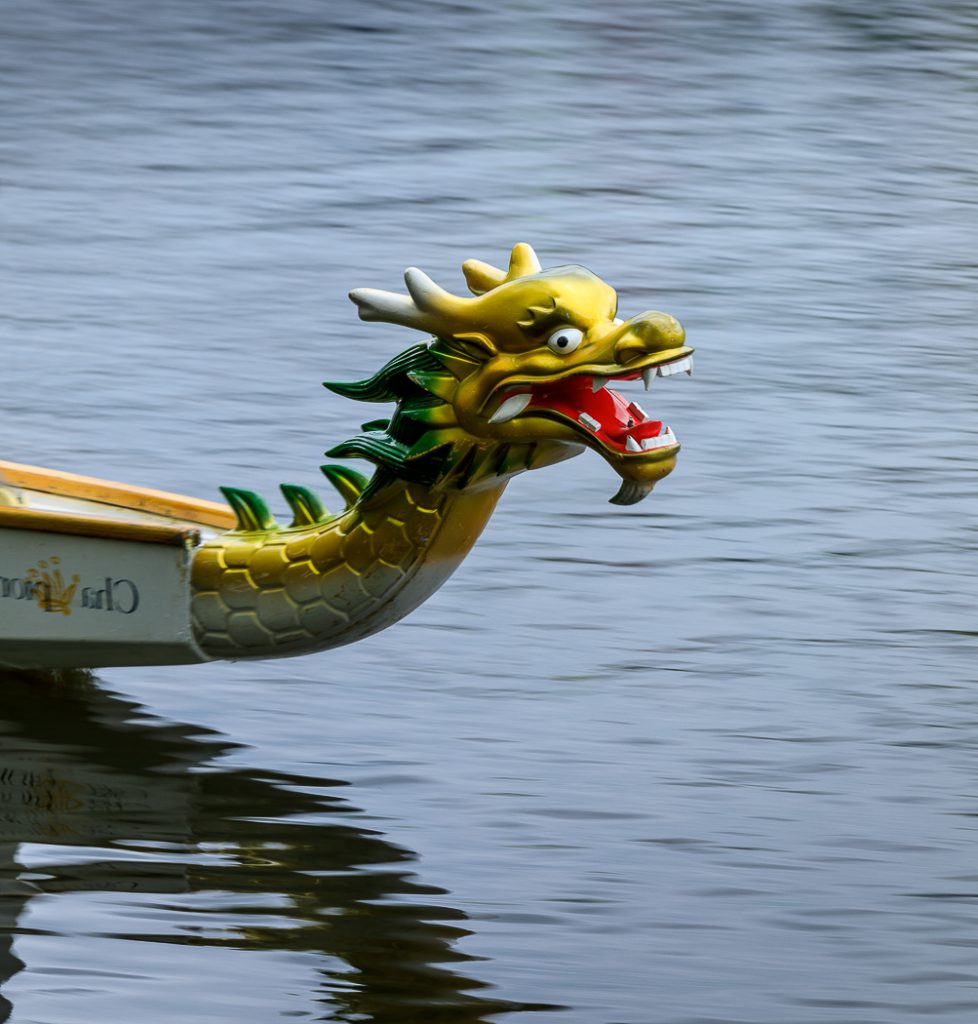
(125, 803)
(709, 759)
(13, 895)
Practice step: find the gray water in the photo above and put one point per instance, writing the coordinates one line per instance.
(712, 759)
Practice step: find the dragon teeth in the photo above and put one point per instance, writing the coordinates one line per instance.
(679, 366)
(589, 421)
(664, 439)
(597, 383)
(631, 444)
(684, 365)
(513, 406)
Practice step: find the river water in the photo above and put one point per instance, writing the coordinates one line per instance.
(712, 759)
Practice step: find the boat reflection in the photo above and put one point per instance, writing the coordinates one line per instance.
(120, 801)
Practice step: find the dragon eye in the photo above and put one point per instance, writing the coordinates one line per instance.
(565, 340)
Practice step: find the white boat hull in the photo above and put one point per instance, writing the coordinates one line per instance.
(119, 601)
(96, 573)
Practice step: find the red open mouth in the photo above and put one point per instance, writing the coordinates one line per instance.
(610, 417)
(585, 400)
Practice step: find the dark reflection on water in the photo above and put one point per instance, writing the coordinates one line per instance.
(257, 861)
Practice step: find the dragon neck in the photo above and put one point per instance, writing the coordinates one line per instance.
(267, 592)
(261, 591)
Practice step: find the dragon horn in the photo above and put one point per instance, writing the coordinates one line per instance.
(481, 277)
(427, 295)
(389, 308)
(427, 308)
(522, 262)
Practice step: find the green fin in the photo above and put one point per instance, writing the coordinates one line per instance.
(306, 507)
(348, 482)
(389, 454)
(390, 383)
(452, 359)
(370, 390)
(375, 425)
(251, 511)
(432, 412)
(441, 384)
(428, 443)
(465, 468)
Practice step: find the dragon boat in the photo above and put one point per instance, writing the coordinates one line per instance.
(513, 377)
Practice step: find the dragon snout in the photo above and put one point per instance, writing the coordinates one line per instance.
(648, 333)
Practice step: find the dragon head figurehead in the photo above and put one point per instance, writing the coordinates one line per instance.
(515, 377)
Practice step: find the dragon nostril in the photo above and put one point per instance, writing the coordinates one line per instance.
(649, 332)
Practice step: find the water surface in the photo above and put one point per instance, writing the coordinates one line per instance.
(708, 760)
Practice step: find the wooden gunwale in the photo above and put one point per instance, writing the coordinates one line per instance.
(97, 526)
(109, 492)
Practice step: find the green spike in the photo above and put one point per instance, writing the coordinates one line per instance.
(390, 383)
(375, 425)
(486, 466)
(439, 415)
(439, 384)
(464, 468)
(428, 443)
(251, 510)
(391, 455)
(502, 455)
(306, 507)
(378, 448)
(456, 362)
(370, 390)
(348, 482)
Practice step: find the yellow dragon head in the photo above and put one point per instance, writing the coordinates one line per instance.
(516, 376)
